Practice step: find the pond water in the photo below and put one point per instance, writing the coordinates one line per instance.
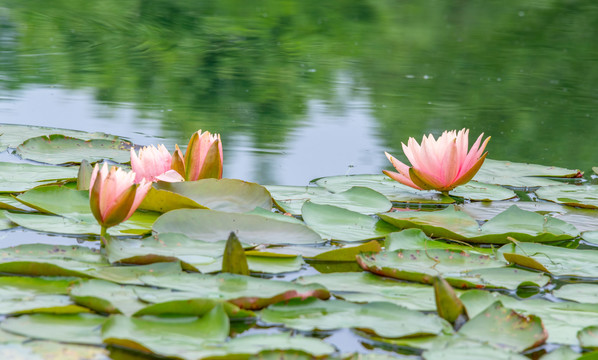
(301, 89)
(304, 89)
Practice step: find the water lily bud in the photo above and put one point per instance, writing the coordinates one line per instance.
(203, 158)
(113, 194)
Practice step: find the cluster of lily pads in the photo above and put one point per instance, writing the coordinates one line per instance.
(356, 254)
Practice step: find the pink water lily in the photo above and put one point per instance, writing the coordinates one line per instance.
(151, 163)
(114, 196)
(203, 158)
(441, 164)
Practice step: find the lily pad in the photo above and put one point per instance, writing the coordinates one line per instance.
(164, 201)
(381, 318)
(20, 295)
(166, 336)
(12, 135)
(505, 328)
(555, 260)
(393, 190)
(522, 175)
(21, 177)
(336, 223)
(451, 223)
(69, 328)
(588, 337)
(585, 196)
(228, 195)
(359, 199)
(367, 287)
(60, 149)
(41, 350)
(461, 269)
(478, 191)
(416, 239)
(590, 236)
(582, 293)
(210, 225)
(470, 350)
(562, 320)
(244, 291)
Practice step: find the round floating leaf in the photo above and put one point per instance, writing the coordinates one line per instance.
(451, 223)
(470, 350)
(505, 328)
(381, 318)
(70, 328)
(556, 260)
(83, 224)
(41, 350)
(348, 253)
(164, 201)
(243, 291)
(588, 337)
(474, 190)
(416, 239)
(393, 190)
(562, 320)
(583, 293)
(20, 295)
(359, 199)
(5, 223)
(21, 177)
(229, 195)
(461, 269)
(332, 222)
(585, 196)
(590, 236)
(8, 202)
(56, 199)
(521, 175)
(107, 297)
(166, 336)
(210, 225)
(562, 353)
(242, 347)
(367, 287)
(12, 135)
(60, 149)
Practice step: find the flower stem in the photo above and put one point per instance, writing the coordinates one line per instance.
(103, 235)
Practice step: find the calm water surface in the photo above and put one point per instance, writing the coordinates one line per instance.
(303, 89)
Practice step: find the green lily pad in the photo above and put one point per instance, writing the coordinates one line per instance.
(228, 195)
(348, 253)
(562, 353)
(60, 149)
(13, 135)
(69, 328)
(393, 190)
(83, 224)
(585, 196)
(359, 199)
(478, 191)
(164, 201)
(367, 287)
(470, 350)
(582, 293)
(505, 328)
(107, 297)
(451, 223)
(588, 337)
(21, 177)
(416, 239)
(582, 219)
(40, 350)
(555, 260)
(244, 346)
(8, 202)
(167, 336)
(20, 295)
(461, 269)
(590, 236)
(5, 223)
(244, 291)
(210, 225)
(381, 318)
(56, 199)
(333, 222)
(521, 175)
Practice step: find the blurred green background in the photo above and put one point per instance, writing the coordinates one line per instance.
(302, 89)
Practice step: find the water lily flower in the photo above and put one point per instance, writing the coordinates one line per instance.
(203, 158)
(151, 162)
(114, 196)
(441, 164)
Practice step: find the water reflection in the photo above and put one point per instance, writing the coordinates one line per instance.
(307, 88)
